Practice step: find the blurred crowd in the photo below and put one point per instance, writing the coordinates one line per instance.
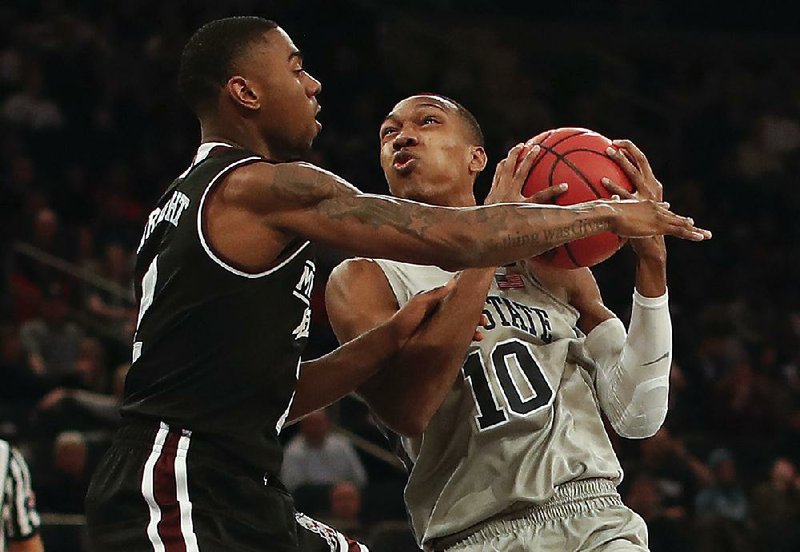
(92, 129)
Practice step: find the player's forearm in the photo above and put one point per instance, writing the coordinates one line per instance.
(329, 378)
(651, 270)
(632, 379)
(407, 394)
(320, 206)
(378, 226)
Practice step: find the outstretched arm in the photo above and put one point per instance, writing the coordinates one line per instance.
(301, 199)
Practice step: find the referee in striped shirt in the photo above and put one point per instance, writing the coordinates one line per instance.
(19, 521)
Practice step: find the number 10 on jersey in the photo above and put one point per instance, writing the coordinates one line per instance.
(506, 357)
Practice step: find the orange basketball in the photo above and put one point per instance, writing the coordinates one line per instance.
(578, 157)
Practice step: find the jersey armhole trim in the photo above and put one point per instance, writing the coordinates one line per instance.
(393, 282)
(205, 243)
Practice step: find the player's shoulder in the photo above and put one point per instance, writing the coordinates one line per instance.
(356, 286)
(355, 273)
(265, 185)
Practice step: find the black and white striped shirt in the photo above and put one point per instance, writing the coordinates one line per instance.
(18, 517)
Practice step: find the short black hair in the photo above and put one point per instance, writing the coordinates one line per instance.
(210, 55)
(466, 115)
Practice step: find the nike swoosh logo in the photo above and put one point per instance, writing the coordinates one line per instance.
(659, 359)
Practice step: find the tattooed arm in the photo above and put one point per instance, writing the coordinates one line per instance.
(279, 202)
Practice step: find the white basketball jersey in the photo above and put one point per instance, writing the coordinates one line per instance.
(521, 420)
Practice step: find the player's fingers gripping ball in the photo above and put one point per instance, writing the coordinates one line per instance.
(577, 157)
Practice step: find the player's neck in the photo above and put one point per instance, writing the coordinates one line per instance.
(448, 194)
(236, 135)
(467, 199)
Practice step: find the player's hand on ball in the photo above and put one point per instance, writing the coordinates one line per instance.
(509, 178)
(637, 168)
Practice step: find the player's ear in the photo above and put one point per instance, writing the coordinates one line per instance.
(478, 159)
(242, 93)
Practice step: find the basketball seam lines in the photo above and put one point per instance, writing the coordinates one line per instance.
(571, 165)
(571, 255)
(562, 157)
(536, 162)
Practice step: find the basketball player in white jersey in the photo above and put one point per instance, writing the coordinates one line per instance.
(502, 430)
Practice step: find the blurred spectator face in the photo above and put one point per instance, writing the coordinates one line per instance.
(119, 380)
(10, 346)
(70, 454)
(426, 150)
(721, 463)
(783, 473)
(643, 497)
(726, 471)
(345, 501)
(743, 376)
(657, 447)
(116, 261)
(45, 226)
(91, 364)
(85, 243)
(315, 428)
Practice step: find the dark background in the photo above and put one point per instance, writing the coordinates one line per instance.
(92, 129)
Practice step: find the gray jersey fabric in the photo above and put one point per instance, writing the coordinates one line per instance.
(521, 419)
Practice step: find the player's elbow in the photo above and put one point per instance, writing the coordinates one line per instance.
(643, 413)
(409, 428)
(414, 425)
(642, 425)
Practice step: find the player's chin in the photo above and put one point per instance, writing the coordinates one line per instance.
(314, 131)
(311, 135)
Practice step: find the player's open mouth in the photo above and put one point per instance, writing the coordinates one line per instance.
(316, 114)
(403, 161)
